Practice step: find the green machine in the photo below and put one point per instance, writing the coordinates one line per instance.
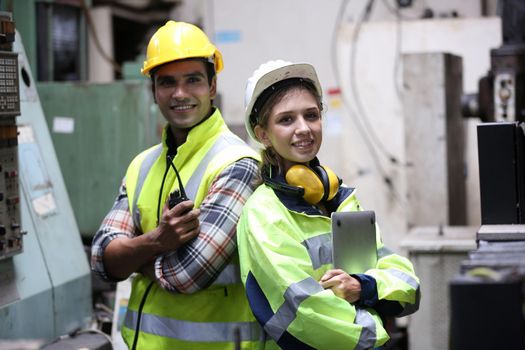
(45, 280)
(96, 130)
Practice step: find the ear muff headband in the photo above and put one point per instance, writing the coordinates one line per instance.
(279, 186)
(330, 181)
(323, 177)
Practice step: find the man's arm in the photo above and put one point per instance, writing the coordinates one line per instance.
(117, 225)
(117, 249)
(195, 265)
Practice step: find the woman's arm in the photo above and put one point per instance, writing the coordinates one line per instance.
(291, 305)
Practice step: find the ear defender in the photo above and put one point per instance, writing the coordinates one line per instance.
(319, 183)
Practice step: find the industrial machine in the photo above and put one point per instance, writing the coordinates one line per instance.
(11, 240)
(488, 296)
(45, 281)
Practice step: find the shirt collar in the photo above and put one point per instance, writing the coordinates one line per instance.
(198, 135)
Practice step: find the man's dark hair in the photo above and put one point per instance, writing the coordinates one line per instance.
(210, 69)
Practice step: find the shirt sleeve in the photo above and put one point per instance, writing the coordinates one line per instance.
(196, 265)
(117, 223)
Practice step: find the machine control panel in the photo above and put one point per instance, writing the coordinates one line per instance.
(11, 241)
(10, 232)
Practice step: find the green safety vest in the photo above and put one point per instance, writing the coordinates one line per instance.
(212, 318)
(287, 252)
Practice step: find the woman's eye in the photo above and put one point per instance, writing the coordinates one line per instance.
(312, 116)
(285, 120)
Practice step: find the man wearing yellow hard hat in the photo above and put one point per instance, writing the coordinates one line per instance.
(173, 223)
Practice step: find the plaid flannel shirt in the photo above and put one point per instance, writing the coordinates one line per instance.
(196, 264)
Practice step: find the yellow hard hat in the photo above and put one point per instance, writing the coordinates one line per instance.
(179, 40)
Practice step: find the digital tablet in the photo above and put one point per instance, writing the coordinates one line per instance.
(354, 241)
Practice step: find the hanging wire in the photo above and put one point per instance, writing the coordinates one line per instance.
(335, 67)
(361, 112)
(361, 121)
(397, 56)
(91, 27)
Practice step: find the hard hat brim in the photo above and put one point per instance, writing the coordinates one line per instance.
(297, 70)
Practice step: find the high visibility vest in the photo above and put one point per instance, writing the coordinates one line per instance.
(215, 317)
(283, 255)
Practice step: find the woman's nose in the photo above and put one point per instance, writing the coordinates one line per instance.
(302, 125)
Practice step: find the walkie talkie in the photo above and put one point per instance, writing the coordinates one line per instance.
(179, 195)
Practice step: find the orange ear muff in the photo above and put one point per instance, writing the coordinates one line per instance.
(318, 184)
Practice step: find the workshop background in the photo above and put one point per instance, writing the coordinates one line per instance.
(425, 101)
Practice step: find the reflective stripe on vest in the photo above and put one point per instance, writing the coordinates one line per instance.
(296, 294)
(146, 165)
(231, 273)
(191, 188)
(320, 249)
(293, 297)
(222, 142)
(404, 277)
(368, 336)
(194, 331)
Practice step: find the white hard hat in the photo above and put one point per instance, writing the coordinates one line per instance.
(266, 76)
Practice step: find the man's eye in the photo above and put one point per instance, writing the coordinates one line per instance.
(194, 80)
(165, 82)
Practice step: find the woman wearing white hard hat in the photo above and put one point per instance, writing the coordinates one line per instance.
(284, 237)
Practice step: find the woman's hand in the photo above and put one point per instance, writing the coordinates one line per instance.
(342, 284)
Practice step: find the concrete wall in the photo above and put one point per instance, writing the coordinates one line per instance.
(361, 80)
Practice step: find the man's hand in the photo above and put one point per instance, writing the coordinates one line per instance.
(177, 226)
(125, 255)
(342, 284)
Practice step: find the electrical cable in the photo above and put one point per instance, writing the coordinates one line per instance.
(397, 56)
(91, 27)
(139, 316)
(354, 90)
(337, 75)
(181, 188)
(78, 331)
(161, 189)
(370, 139)
(97, 331)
